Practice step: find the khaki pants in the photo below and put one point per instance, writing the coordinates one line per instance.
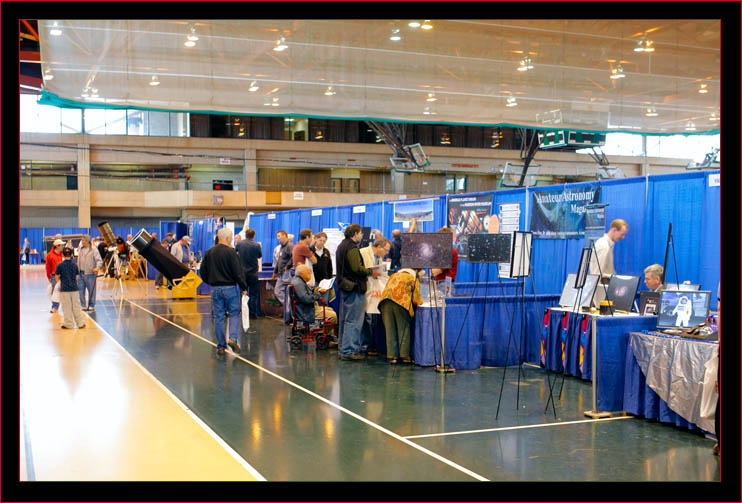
(71, 309)
(329, 313)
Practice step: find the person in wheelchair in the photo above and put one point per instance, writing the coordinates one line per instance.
(307, 297)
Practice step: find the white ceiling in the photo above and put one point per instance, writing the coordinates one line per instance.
(471, 66)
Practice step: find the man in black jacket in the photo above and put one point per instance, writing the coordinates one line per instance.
(352, 278)
(250, 253)
(221, 269)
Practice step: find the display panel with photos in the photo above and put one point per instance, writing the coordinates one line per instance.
(679, 309)
(622, 291)
(427, 250)
(489, 248)
(520, 260)
(569, 292)
(649, 303)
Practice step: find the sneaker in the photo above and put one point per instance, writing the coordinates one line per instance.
(65, 327)
(347, 358)
(233, 344)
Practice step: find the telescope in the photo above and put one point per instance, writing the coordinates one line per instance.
(157, 255)
(107, 233)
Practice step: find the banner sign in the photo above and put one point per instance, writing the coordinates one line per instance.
(594, 221)
(560, 214)
(468, 215)
(421, 210)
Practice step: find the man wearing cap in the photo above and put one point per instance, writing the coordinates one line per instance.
(89, 262)
(182, 250)
(52, 260)
(66, 273)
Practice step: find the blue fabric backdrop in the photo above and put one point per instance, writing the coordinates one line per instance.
(648, 204)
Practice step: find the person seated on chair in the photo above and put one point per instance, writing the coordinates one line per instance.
(307, 309)
(653, 277)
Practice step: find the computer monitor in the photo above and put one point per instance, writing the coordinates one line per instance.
(681, 309)
(622, 291)
(683, 287)
(569, 292)
(649, 302)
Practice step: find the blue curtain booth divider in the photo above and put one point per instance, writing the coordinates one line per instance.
(478, 331)
(177, 228)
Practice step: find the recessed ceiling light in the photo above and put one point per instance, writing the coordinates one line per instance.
(414, 24)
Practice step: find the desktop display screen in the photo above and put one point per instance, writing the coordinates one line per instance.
(489, 248)
(683, 309)
(569, 292)
(622, 291)
(683, 287)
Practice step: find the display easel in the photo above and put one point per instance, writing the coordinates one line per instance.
(520, 268)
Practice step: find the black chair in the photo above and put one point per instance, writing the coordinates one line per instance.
(321, 330)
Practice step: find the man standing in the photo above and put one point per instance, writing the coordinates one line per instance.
(602, 260)
(52, 260)
(221, 269)
(66, 274)
(373, 255)
(322, 268)
(160, 279)
(395, 252)
(301, 252)
(26, 250)
(283, 265)
(250, 253)
(352, 279)
(89, 262)
(653, 277)
(182, 250)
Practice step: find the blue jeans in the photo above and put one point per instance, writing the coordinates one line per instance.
(353, 314)
(55, 305)
(226, 299)
(87, 281)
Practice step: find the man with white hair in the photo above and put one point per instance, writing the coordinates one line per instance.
(89, 262)
(653, 277)
(222, 270)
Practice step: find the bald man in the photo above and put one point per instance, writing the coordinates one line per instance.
(307, 308)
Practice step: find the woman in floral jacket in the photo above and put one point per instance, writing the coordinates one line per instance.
(396, 306)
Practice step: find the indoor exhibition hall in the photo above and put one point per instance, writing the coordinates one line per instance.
(369, 251)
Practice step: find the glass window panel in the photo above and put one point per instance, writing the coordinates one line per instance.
(450, 184)
(71, 120)
(36, 118)
(179, 123)
(135, 122)
(159, 124)
(461, 183)
(95, 121)
(116, 122)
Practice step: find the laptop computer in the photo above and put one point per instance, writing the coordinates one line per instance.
(649, 302)
(682, 310)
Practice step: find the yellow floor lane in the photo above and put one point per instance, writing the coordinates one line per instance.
(93, 413)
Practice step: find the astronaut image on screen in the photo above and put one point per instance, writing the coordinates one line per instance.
(683, 310)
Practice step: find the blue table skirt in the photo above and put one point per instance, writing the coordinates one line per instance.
(33, 258)
(481, 336)
(641, 400)
(566, 343)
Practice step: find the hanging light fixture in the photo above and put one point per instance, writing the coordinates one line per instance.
(55, 30)
(511, 102)
(431, 97)
(426, 25)
(690, 126)
(48, 74)
(714, 117)
(329, 91)
(275, 102)
(395, 35)
(525, 64)
(617, 73)
(651, 112)
(155, 81)
(193, 37)
(253, 86)
(414, 24)
(280, 44)
(703, 89)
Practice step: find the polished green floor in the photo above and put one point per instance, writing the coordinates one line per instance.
(304, 415)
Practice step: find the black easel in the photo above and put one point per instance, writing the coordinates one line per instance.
(670, 243)
(520, 296)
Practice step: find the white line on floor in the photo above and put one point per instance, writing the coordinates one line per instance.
(198, 420)
(328, 402)
(507, 428)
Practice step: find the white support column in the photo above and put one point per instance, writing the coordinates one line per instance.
(83, 185)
